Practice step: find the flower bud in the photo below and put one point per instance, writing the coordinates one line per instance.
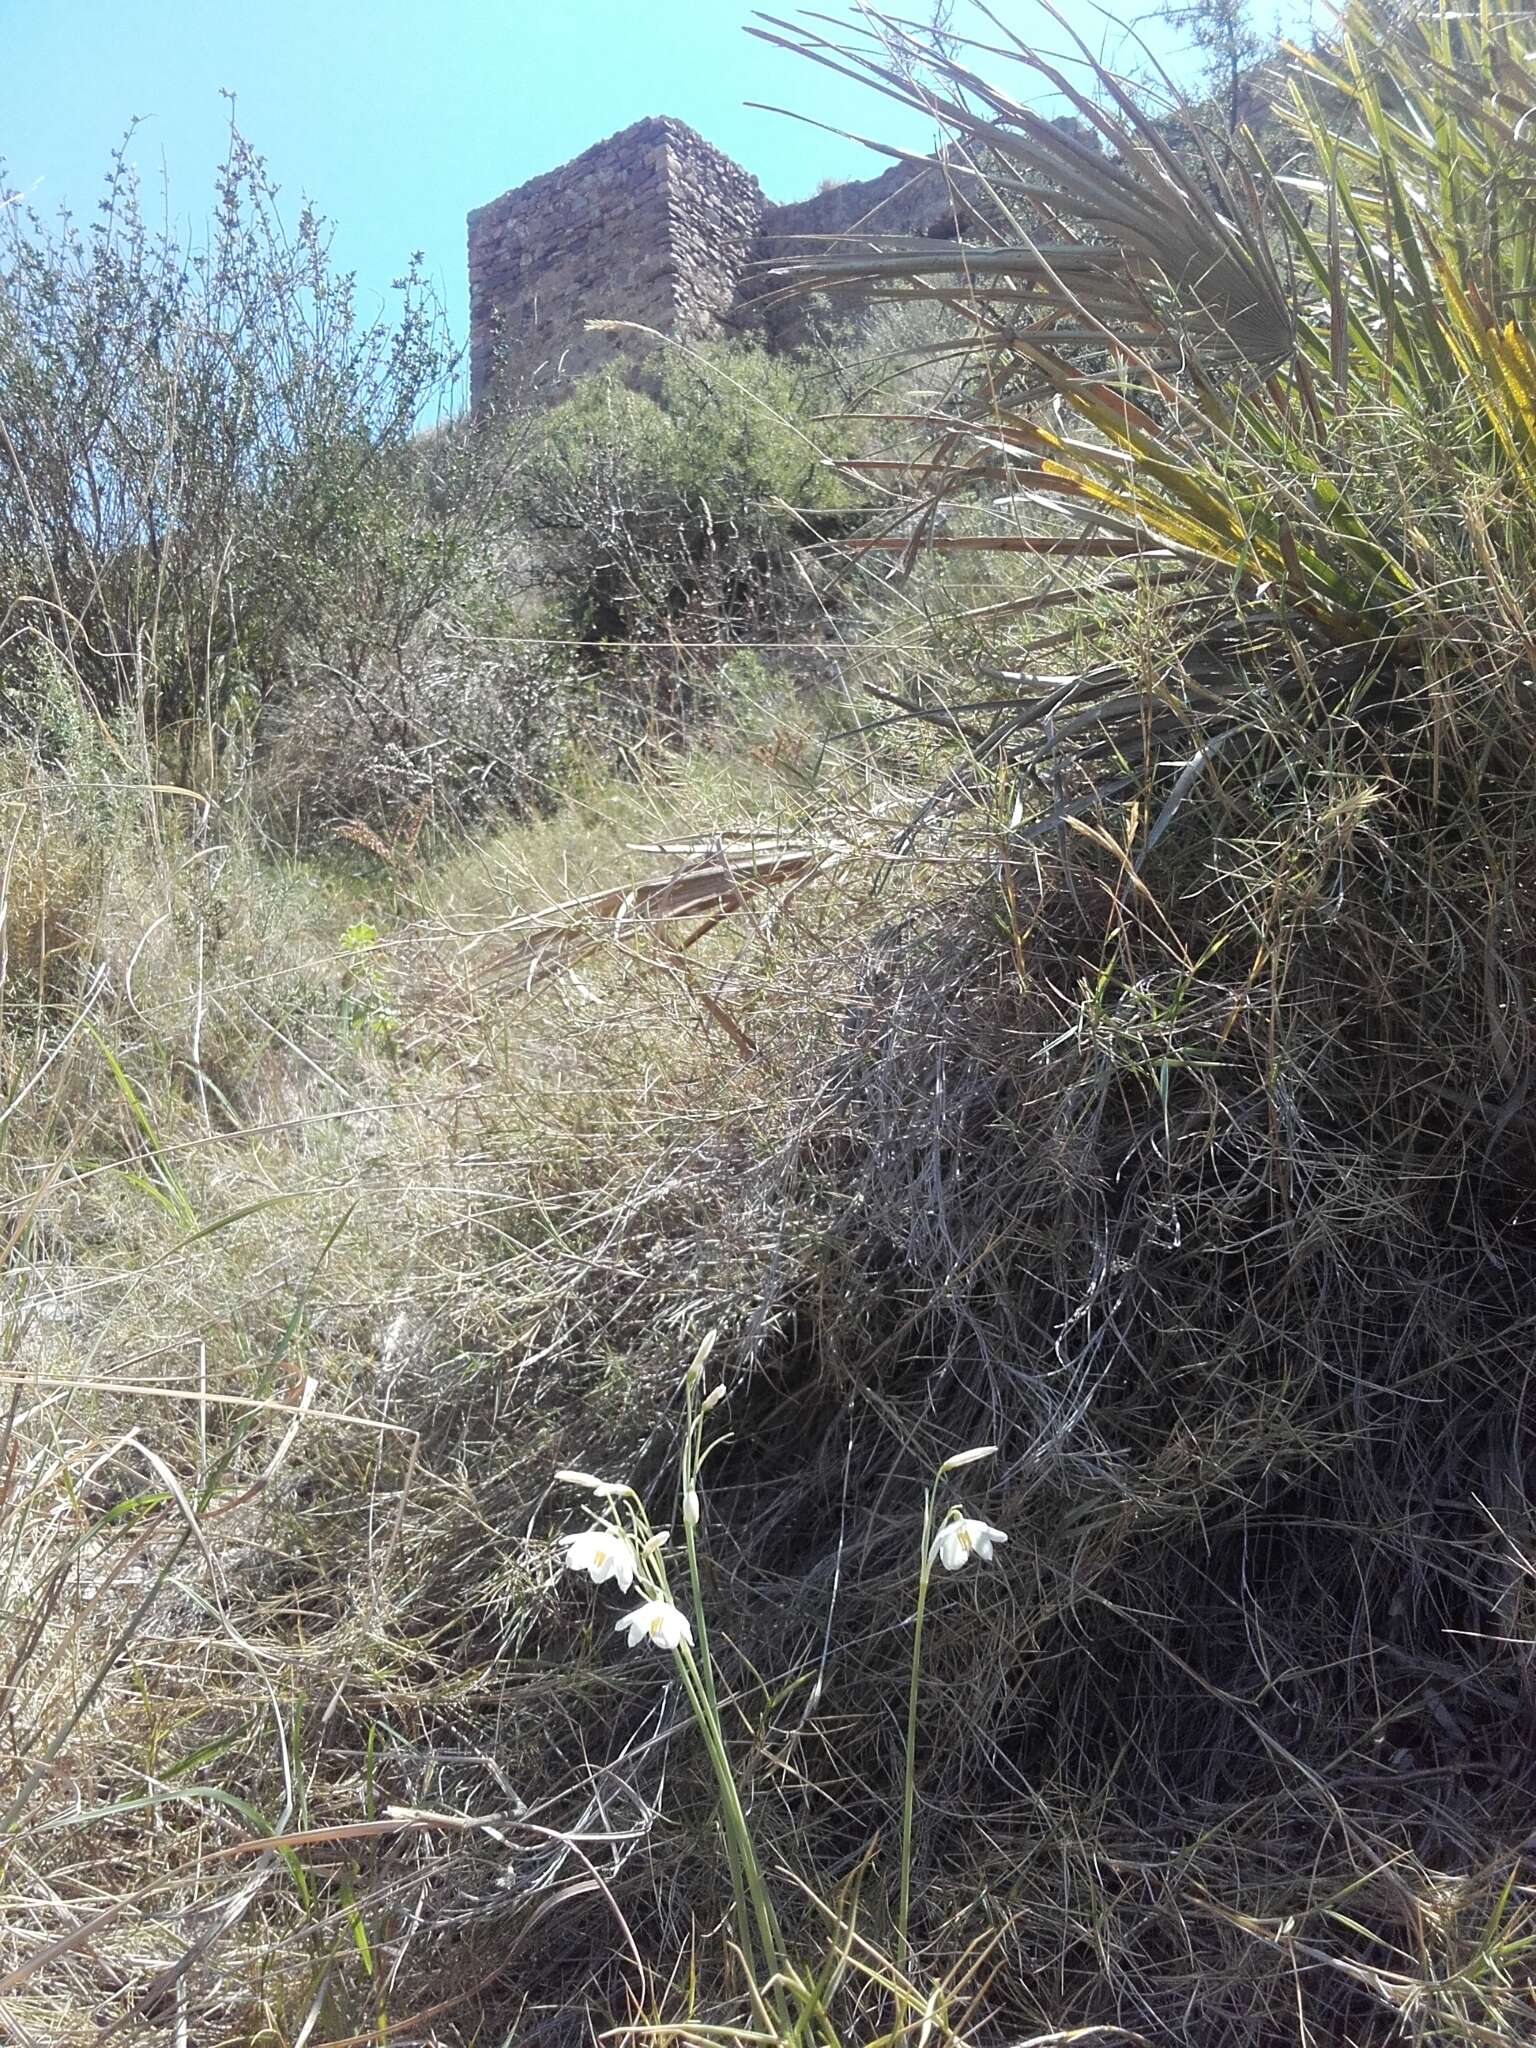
(691, 1509)
(968, 1458)
(605, 1487)
(700, 1359)
(712, 1399)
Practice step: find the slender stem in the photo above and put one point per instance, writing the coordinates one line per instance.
(698, 1684)
(701, 1670)
(768, 1936)
(924, 1572)
(747, 1932)
(692, 1453)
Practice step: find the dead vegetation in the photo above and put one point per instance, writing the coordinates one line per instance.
(1125, 1065)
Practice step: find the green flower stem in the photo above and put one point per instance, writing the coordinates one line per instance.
(699, 1675)
(924, 1573)
(748, 1928)
(698, 1683)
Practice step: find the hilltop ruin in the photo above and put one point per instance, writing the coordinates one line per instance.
(658, 227)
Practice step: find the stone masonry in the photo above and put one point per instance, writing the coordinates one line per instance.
(652, 226)
(657, 227)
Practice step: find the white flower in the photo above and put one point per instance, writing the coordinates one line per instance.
(608, 1489)
(690, 1509)
(602, 1556)
(962, 1539)
(657, 1621)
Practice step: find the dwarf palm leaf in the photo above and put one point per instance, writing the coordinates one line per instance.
(1228, 369)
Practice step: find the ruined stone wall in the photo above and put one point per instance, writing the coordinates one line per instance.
(844, 220)
(908, 199)
(657, 227)
(652, 226)
(715, 215)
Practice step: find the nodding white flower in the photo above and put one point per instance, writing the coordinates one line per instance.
(691, 1509)
(962, 1539)
(712, 1399)
(607, 1488)
(602, 1556)
(658, 1622)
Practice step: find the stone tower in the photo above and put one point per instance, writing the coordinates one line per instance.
(653, 225)
(658, 227)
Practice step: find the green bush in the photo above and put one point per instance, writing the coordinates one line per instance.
(196, 444)
(670, 519)
(418, 686)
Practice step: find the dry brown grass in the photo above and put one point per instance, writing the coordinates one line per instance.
(312, 1287)
(302, 1729)
(1152, 1101)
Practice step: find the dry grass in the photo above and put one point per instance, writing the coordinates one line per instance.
(304, 1739)
(324, 1254)
(1128, 1067)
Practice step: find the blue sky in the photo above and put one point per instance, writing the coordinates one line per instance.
(397, 116)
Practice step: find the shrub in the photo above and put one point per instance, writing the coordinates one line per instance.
(195, 441)
(448, 727)
(667, 520)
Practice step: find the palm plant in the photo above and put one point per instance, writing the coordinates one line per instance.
(1267, 974)
(1226, 369)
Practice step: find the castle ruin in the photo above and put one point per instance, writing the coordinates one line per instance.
(657, 227)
